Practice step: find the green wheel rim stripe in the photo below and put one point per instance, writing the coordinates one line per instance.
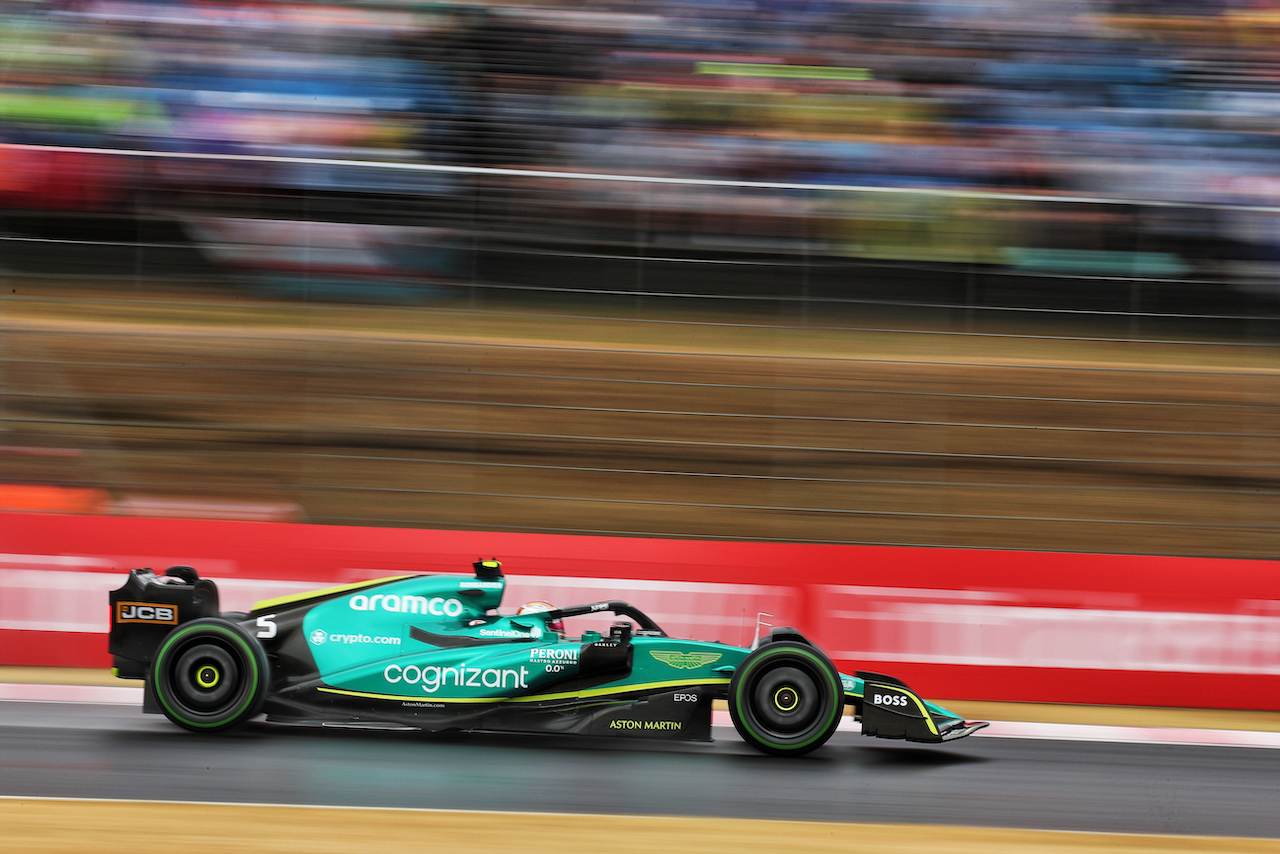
(822, 668)
(252, 670)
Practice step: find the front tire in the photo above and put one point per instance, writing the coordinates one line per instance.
(786, 699)
(209, 675)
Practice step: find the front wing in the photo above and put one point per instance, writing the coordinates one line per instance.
(890, 709)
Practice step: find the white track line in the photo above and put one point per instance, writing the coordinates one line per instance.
(40, 693)
(129, 695)
(1083, 732)
(1133, 734)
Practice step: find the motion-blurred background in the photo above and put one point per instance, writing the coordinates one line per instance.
(982, 273)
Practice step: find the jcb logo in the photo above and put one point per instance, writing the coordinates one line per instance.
(141, 612)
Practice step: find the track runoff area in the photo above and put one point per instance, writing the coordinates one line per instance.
(126, 827)
(39, 824)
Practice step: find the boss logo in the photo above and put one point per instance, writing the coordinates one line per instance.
(141, 612)
(889, 700)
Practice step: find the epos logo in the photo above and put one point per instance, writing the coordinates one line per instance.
(141, 612)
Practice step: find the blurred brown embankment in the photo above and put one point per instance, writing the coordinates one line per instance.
(554, 419)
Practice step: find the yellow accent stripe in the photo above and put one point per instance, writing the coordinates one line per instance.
(928, 718)
(604, 692)
(267, 604)
(534, 698)
(417, 698)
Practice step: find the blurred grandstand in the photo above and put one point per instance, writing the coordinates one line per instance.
(1011, 188)
(1153, 124)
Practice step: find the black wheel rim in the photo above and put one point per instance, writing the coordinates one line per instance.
(204, 680)
(206, 677)
(787, 702)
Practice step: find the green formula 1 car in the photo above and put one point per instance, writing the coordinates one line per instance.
(431, 652)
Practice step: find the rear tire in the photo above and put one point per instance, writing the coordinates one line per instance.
(209, 675)
(786, 699)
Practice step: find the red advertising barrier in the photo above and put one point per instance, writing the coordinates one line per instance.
(958, 624)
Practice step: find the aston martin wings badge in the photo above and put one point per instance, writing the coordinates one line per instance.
(685, 660)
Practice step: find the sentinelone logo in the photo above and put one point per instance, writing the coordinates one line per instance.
(535, 631)
(436, 606)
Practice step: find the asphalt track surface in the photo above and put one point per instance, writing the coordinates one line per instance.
(113, 751)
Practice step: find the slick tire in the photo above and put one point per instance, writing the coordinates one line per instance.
(209, 675)
(786, 699)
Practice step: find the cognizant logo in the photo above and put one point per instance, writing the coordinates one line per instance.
(436, 606)
(433, 678)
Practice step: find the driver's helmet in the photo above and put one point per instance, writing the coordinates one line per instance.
(537, 607)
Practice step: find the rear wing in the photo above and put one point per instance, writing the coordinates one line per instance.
(148, 607)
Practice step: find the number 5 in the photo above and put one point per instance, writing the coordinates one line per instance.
(267, 626)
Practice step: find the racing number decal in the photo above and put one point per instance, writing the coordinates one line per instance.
(267, 626)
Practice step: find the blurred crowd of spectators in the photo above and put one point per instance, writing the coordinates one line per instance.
(1165, 100)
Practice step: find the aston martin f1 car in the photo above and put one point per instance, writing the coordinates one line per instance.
(431, 652)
